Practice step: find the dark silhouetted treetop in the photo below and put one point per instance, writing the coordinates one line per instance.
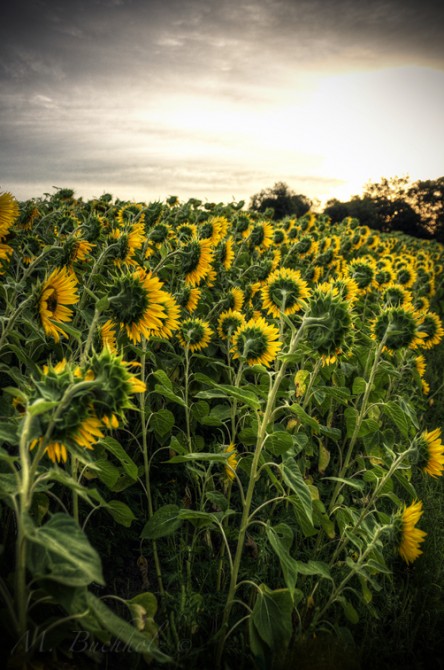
(282, 200)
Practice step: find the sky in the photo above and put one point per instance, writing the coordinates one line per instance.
(218, 99)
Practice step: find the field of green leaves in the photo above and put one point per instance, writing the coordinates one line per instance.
(218, 439)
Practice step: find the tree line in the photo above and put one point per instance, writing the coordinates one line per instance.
(395, 203)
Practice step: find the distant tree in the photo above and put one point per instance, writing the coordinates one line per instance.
(396, 204)
(282, 200)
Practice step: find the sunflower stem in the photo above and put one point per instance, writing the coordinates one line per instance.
(254, 474)
(146, 465)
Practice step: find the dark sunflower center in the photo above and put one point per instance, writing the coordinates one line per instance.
(403, 276)
(383, 276)
(303, 246)
(230, 324)
(51, 302)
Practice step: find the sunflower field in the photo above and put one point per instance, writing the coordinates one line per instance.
(220, 437)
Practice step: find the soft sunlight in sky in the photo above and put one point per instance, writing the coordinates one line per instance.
(218, 100)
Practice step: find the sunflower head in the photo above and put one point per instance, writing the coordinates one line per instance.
(194, 334)
(256, 341)
(430, 330)
(397, 327)
(231, 463)
(228, 322)
(285, 292)
(195, 260)
(115, 385)
(329, 324)
(58, 291)
(409, 538)
(9, 211)
(430, 451)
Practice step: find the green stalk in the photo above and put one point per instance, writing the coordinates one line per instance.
(146, 465)
(358, 424)
(254, 474)
(187, 391)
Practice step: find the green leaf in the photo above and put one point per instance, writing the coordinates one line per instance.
(351, 416)
(120, 512)
(167, 392)
(278, 442)
(140, 642)
(8, 433)
(395, 413)
(272, 616)
(165, 521)
(292, 476)
(162, 421)
(350, 482)
(281, 538)
(199, 456)
(314, 568)
(59, 550)
(349, 611)
(163, 378)
(106, 471)
(8, 485)
(304, 418)
(116, 449)
(41, 406)
(222, 391)
(359, 386)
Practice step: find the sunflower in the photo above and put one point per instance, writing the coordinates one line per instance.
(363, 272)
(261, 235)
(284, 292)
(225, 253)
(197, 256)
(171, 321)
(257, 341)
(231, 463)
(395, 295)
(128, 243)
(398, 327)
(186, 232)
(406, 276)
(235, 299)
(431, 452)
(228, 322)
(329, 328)
(410, 536)
(137, 304)
(129, 212)
(431, 329)
(194, 334)
(347, 289)
(189, 298)
(306, 246)
(9, 211)
(214, 230)
(58, 291)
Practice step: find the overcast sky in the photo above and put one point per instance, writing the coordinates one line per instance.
(218, 99)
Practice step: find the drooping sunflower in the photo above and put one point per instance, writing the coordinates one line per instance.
(261, 235)
(129, 213)
(189, 298)
(137, 304)
(235, 299)
(194, 334)
(225, 253)
(78, 426)
(430, 329)
(256, 341)
(108, 336)
(186, 232)
(285, 291)
(58, 291)
(228, 322)
(363, 272)
(213, 230)
(410, 536)
(347, 288)
(395, 295)
(128, 243)
(330, 328)
(406, 275)
(196, 258)
(398, 327)
(431, 452)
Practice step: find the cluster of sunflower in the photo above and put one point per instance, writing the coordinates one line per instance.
(207, 278)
